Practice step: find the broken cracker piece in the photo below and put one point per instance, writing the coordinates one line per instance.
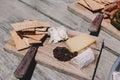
(19, 43)
(29, 24)
(30, 29)
(90, 4)
(41, 29)
(35, 37)
(38, 32)
(30, 41)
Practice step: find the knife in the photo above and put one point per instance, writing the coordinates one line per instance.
(27, 59)
(107, 12)
(96, 25)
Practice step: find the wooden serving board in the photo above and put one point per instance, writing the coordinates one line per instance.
(89, 16)
(45, 56)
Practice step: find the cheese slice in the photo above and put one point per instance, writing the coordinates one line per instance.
(80, 42)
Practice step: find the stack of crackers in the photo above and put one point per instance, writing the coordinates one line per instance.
(28, 32)
(95, 5)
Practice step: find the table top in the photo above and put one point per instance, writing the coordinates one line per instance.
(55, 12)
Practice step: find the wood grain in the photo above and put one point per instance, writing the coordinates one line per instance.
(103, 71)
(12, 11)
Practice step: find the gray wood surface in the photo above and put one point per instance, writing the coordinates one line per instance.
(105, 64)
(54, 11)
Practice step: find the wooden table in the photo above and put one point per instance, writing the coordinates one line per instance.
(54, 11)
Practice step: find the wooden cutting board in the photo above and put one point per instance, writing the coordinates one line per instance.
(89, 16)
(45, 57)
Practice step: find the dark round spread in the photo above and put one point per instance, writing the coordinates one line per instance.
(63, 54)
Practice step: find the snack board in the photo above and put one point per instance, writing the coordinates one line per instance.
(90, 16)
(45, 56)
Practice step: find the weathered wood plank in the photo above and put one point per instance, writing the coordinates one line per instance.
(106, 61)
(14, 11)
(59, 13)
(68, 1)
(43, 71)
(7, 65)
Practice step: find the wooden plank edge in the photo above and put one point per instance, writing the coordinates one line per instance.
(111, 33)
(71, 9)
(65, 72)
(9, 49)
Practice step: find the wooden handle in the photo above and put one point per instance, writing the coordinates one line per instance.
(25, 63)
(23, 66)
(96, 23)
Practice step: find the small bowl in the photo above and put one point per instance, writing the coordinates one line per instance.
(115, 67)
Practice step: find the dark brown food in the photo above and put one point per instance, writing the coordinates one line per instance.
(111, 9)
(63, 54)
(113, 13)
